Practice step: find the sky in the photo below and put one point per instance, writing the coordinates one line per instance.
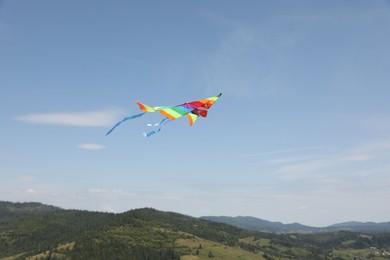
(301, 132)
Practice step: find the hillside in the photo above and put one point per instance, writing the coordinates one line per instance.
(44, 232)
(261, 225)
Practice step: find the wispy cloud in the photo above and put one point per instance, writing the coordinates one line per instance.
(357, 157)
(26, 179)
(379, 122)
(300, 170)
(97, 118)
(110, 193)
(285, 151)
(362, 167)
(169, 197)
(97, 190)
(89, 146)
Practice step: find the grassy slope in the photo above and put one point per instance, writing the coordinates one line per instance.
(201, 249)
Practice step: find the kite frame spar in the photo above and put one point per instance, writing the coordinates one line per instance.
(192, 110)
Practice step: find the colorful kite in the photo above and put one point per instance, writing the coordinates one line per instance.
(192, 110)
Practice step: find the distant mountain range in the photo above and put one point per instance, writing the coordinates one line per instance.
(256, 224)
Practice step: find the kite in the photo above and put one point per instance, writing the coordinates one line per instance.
(192, 110)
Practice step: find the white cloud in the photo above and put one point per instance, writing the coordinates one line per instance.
(31, 191)
(97, 190)
(169, 197)
(110, 193)
(108, 208)
(89, 146)
(105, 117)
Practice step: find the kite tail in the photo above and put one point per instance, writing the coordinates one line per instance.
(162, 123)
(159, 123)
(123, 120)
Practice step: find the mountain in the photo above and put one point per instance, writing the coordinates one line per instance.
(37, 231)
(45, 232)
(355, 226)
(19, 209)
(261, 225)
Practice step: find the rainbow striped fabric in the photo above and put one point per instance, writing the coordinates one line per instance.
(192, 110)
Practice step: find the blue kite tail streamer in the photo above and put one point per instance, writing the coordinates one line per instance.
(159, 123)
(165, 121)
(123, 120)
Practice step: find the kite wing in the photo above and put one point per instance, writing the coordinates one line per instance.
(192, 110)
(192, 118)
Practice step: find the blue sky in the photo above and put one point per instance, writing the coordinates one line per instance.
(300, 134)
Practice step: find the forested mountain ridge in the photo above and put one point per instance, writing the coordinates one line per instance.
(15, 210)
(38, 231)
(261, 225)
